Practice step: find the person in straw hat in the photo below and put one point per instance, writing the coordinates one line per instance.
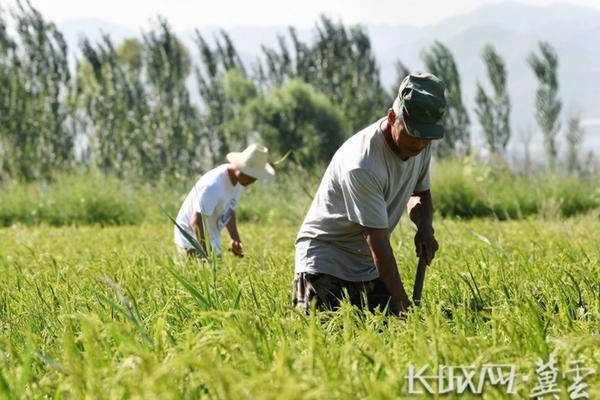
(210, 205)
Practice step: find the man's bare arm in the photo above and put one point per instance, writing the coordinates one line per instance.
(232, 228)
(420, 211)
(197, 226)
(236, 242)
(384, 260)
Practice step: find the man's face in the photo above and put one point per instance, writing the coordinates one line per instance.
(409, 146)
(245, 180)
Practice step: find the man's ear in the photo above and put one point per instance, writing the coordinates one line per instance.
(391, 116)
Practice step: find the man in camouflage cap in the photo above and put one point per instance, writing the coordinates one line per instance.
(343, 247)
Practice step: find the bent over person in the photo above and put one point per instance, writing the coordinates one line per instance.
(343, 247)
(210, 205)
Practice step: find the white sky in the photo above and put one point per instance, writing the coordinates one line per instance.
(186, 14)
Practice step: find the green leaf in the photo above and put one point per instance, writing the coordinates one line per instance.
(194, 242)
(199, 297)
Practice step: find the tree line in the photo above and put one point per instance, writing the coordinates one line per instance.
(126, 108)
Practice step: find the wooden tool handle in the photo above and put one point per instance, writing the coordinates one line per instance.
(420, 278)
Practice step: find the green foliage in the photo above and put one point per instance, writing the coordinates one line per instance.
(167, 60)
(216, 81)
(402, 72)
(548, 105)
(73, 200)
(574, 137)
(116, 109)
(285, 199)
(461, 189)
(439, 61)
(296, 117)
(238, 91)
(173, 121)
(127, 110)
(494, 112)
(108, 313)
(354, 87)
(35, 98)
(137, 106)
(129, 53)
(469, 188)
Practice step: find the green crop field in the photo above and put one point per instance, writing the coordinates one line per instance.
(103, 135)
(91, 312)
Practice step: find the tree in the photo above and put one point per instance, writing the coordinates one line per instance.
(238, 91)
(7, 54)
(525, 136)
(574, 137)
(129, 54)
(494, 112)
(215, 63)
(175, 130)
(401, 72)
(135, 98)
(439, 61)
(115, 104)
(548, 106)
(296, 117)
(339, 63)
(35, 98)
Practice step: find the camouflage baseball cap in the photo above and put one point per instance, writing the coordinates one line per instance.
(421, 102)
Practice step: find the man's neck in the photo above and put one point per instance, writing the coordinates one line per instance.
(232, 176)
(387, 134)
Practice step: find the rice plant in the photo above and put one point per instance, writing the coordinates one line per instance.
(89, 312)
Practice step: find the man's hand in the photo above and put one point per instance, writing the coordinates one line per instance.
(425, 241)
(236, 243)
(237, 248)
(403, 305)
(383, 257)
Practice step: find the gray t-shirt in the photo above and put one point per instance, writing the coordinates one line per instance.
(365, 185)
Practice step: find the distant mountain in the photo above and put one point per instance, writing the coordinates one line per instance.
(513, 28)
(520, 17)
(93, 29)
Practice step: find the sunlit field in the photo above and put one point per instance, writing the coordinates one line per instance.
(110, 115)
(91, 312)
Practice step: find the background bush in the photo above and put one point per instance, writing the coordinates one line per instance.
(463, 188)
(469, 188)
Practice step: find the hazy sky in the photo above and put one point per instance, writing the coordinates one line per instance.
(185, 14)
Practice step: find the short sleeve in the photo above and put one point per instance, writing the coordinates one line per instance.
(363, 198)
(423, 181)
(206, 200)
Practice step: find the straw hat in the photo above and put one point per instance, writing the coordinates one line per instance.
(253, 162)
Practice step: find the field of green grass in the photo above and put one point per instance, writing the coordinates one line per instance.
(91, 312)
(465, 188)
